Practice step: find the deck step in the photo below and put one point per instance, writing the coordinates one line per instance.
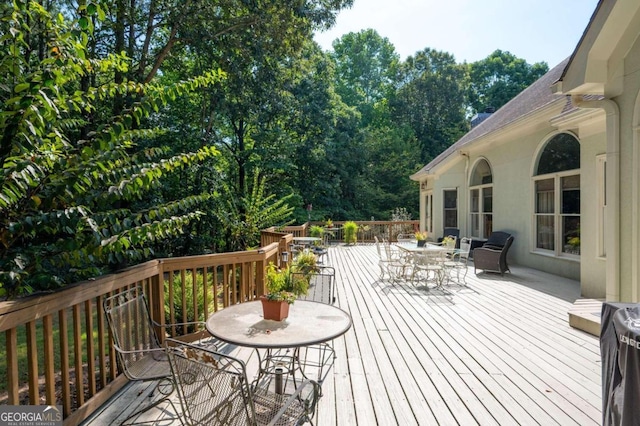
(585, 315)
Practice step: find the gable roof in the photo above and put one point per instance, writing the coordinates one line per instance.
(531, 99)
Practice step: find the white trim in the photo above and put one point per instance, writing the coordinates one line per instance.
(601, 162)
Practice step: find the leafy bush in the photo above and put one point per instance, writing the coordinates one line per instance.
(350, 232)
(73, 185)
(189, 288)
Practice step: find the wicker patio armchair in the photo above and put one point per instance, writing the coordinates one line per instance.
(492, 256)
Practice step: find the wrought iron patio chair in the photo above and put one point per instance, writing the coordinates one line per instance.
(458, 263)
(383, 262)
(140, 354)
(316, 360)
(321, 250)
(322, 287)
(431, 264)
(214, 390)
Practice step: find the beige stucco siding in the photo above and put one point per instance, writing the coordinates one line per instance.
(592, 266)
(629, 196)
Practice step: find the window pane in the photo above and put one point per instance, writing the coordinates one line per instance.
(450, 199)
(481, 174)
(475, 225)
(545, 232)
(488, 225)
(571, 195)
(561, 153)
(487, 200)
(475, 200)
(450, 218)
(544, 196)
(571, 234)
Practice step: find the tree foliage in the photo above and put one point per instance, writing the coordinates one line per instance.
(499, 77)
(431, 101)
(68, 197)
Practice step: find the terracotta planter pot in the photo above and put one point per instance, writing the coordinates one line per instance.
(274, 310)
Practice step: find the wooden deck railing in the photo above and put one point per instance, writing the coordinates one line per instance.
(56, 348)
(368, 229)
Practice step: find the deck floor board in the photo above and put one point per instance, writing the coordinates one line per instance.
(498, 351)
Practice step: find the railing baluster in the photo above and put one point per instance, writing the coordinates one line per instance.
(32, 363)
(64, 361)
(49, 374)
(12, 365)
(77, 352)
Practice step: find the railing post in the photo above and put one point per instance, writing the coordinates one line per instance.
(260, 268)
(156, 287)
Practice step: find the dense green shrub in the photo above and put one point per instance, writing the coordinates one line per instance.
(350, 232)
(189, 288)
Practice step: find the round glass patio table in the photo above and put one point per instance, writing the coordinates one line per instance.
(308, 323)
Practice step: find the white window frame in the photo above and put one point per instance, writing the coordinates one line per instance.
(481, 214)
(601, 170)
(557, 214)
(444, 209)
(428, 212)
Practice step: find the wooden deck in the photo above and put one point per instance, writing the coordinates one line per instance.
(499, 351)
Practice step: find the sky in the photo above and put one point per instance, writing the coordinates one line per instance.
(534, 30)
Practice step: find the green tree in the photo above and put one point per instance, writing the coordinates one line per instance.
(67, 203)
(367, 70)
(431, 101)
(498, 78)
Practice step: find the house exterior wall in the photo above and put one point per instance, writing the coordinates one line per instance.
(603, 80)
(592, 266)
(627, 103)
(512, 161)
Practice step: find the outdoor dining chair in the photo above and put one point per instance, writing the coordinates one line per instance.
(317, 360)
(458, 263)
(431, 265)
(213, 389)
(139, 352)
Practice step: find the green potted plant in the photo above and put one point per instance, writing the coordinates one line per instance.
(449, 242)
(421, 237)
(318, 232)
(285, 285)
(350, 232)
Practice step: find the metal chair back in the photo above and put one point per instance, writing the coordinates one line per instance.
(322, 286)
(214, 390)
(139, 351)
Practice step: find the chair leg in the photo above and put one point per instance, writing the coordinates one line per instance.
(165, 398)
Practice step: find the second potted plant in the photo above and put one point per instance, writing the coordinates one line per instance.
(421, 237)
(284, 286)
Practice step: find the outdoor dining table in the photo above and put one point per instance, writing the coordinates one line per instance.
(437, 254)
(309, 323)
(306, 241)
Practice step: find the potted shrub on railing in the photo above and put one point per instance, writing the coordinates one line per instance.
(318, 232)
(285, 285)
(350, 231)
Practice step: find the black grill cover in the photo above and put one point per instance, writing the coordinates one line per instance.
(620, 351)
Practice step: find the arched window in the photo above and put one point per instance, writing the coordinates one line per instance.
(481, 200)
(557, 196)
